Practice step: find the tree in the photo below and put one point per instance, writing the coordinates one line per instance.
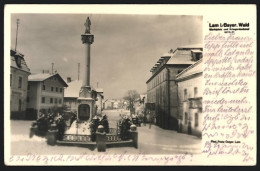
(131, 96)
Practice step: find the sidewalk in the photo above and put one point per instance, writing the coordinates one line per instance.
(158, 140)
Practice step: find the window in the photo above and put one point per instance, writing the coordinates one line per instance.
(18, 62)
(185, 94)
(11, 79)
(198, 56)
(51, 88)
(57, 89)
(196, 119)
(28, 99)
(43, 87)
(195, 91)
(28, 86)
(51, 100)
(56, 101)
(186, 118)
(20, 81)
(61, 90)
(43, 99)
(59, 101)
(20, 105)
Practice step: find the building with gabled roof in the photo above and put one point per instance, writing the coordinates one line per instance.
(161, 86)
(45, 93)
(18, 84)
(189, 83)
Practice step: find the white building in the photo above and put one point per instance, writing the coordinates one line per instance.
(189, 83)
(45, 93)
(18, 84)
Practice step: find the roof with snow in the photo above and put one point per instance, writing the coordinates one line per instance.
(161, 59)
(182, 55)
(74, 87)
(166, 55)
(14, 61)
(197, 51)
(45, 76)
(99, 90)
(191, 70)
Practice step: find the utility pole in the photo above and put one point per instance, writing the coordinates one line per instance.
(78, 70)
(52, 67)
(17, 22)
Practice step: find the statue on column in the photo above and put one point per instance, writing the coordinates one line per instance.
(87, 25)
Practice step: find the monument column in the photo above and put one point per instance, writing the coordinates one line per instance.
(87, 39)
(87, 96)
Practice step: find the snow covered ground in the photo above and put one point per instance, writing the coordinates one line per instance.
(150, 141)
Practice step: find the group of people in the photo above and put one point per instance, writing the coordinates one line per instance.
(124, 126)
(45, 120)
(95, 122)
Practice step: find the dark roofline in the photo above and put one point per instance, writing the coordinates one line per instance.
(156, 66)
(15, 53)
(164, 66)
(189, 48)
(21, 69)
(66, 85)
(190, 67)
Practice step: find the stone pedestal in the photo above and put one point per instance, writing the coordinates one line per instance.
(134, 135)
(86, 103)
(101, 139)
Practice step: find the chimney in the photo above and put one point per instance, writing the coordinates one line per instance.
(68, 79)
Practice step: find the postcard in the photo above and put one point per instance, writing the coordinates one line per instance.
(130, 85)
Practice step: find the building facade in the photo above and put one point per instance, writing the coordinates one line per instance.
(18, 84)
(45, 93)
(190, 99)
(109, 104)
(71, 94)
(162, 88)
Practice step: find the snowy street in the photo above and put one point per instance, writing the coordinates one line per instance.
(150, 141)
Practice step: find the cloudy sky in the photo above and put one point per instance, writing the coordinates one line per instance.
(124, 50)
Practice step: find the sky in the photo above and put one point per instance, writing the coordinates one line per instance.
(125, 47)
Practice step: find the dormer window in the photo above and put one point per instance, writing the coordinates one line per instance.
(18, 61)
(196, 55)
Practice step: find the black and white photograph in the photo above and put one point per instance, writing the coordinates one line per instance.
(126, 85)
(105, 83)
